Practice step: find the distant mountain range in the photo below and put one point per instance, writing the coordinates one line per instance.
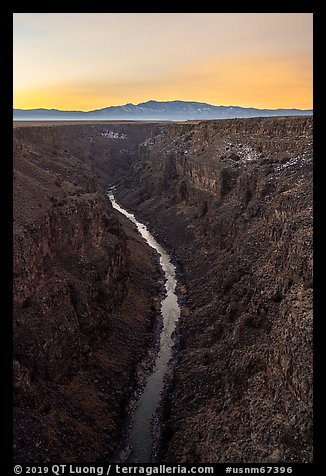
(157, 110)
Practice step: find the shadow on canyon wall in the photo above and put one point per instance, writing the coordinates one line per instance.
(232, 202)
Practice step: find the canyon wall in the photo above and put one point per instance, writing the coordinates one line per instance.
(86, 293)
(232, 201)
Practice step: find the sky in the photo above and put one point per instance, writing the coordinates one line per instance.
(85, 61)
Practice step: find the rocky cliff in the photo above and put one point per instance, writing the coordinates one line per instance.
(232, 201)
(86, 291)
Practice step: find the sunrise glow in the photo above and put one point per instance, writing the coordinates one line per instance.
(88, 60)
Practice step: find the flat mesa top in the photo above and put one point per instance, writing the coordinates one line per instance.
(52, 123)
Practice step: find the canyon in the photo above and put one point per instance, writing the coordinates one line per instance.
(231, 201)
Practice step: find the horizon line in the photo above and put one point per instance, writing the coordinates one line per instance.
(153, 100)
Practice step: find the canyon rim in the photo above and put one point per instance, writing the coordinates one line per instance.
(231, 202)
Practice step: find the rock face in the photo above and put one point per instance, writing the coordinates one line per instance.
(232, 201)
(86, 289)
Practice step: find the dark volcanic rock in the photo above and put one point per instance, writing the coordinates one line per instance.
(232, 200)
(85, 293)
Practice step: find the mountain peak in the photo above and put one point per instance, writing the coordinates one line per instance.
(158, 110)
(151, 101)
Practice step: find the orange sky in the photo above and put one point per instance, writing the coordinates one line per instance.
(87, 61)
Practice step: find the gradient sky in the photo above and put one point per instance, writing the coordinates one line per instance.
(86, 61)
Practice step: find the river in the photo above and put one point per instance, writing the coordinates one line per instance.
(140, 436)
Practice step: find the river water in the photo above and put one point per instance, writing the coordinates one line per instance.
(141, 429)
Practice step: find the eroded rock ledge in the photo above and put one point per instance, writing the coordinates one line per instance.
(86, 292)
(232, 201)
